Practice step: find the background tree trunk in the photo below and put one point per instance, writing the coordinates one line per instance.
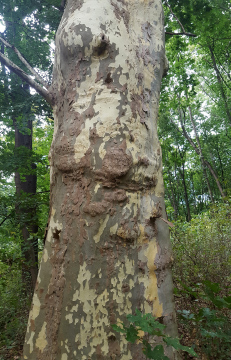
(26, 214)
(24, 183)
(107, 250)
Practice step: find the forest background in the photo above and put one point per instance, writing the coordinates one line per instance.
(195, 135)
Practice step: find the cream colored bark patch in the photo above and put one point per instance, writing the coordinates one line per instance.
(30, 341)
(113, 229)
(102, 151)
(69, 317)
(97, 186)
(151, 292)
(33, 315)
(36, 307)
(123, 299)
(41, 341)
(131, 208)
(71, 314)
(103, 225)
(82, 144)
(45, 255)
(95, 318)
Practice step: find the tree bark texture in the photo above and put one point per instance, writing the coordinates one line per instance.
(107, 250)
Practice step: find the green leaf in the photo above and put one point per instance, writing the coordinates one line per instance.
(176, 344)
(157, 353)
(147, 323)
(214, 287)
(119, 329)
(132, 334)
(228, 299)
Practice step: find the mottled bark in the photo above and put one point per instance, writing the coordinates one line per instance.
(107, 250)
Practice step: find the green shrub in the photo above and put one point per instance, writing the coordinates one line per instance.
(14, 308)
(201, 274)
(210, 319)
(148, 324)
(202, 248)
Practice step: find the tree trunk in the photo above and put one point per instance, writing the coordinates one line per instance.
(209, 166)
(188, 212)
(172, 198)
(107, 250)
(200, 152)
(23, 138)
(220, 82)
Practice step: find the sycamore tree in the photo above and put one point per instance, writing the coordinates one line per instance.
(107, 249)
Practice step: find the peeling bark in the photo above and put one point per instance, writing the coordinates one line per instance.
(107, 249)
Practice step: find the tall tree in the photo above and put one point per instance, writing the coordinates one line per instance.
(26, 183)
(23, 25)
(107, 248)
(191, 94)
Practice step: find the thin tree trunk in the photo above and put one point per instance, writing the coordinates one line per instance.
(201, 153)
(219, 79)
(26, 184)
(29, 248)
(188, 212)
(173, 197)
(221, 165)
(193, 190)
(194, 146)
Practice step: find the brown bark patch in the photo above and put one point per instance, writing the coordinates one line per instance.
(108, 79)
(114, 347)
(96, 208)
(118, 195)
(125, 288)
(128, 231)
(121, 13)
(102, 48)
(156, 212)
(54, 299)
(116, 162)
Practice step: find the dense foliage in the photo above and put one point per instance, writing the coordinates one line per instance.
(195, 106)
(26, 128)
(195, 134)
(201, 273)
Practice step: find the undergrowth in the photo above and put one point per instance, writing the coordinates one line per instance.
(201, 274)
(202, 279)
(14, 308)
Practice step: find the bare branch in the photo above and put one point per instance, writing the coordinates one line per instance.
(23, 60)
(181, 25)
(18, 71)
(181, 33)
